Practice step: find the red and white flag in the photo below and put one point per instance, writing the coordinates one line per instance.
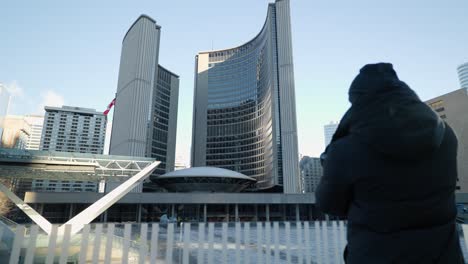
(109, 107)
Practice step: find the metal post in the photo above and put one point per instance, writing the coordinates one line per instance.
(138, 220)
(227, 212)
(311, 218)
(104, 217)
(172, 210)
(256, 213)
(284, 212)
(236, 211)
(204, 213)
(298, 216)
(267, 209)
(70, 214)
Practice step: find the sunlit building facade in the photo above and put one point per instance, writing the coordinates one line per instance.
(244, 107)
(328, 132)
(311, 173)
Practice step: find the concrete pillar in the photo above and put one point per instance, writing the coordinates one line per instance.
(204, 213)
(41, 209)
(104, 217)
(298, 216)
(267, 209)
(236, 210)
(70, 213)
(138, 220)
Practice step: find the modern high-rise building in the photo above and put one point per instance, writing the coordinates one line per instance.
(311, 173)
(145, 112)
(452, 108)
(329, 131)
(4, 104)
(244, 115)
(73, 129)
(463, 75)
(21, 132)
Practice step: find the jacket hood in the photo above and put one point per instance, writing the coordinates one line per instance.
(388, 116)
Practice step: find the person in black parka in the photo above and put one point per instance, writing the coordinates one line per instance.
(391, 169)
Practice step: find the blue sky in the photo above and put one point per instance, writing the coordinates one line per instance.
(54, 52)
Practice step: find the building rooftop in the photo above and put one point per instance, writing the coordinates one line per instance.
(206, 172)
(73, 109)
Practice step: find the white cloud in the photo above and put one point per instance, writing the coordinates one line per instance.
(50, 98)
(14, 89)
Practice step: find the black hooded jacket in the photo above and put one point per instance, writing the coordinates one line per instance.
(391, 169)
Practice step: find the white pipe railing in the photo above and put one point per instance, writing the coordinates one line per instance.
(259, 242)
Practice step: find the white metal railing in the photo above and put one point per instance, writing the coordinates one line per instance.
(247, 242)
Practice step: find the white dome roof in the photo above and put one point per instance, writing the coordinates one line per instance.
(206, 172)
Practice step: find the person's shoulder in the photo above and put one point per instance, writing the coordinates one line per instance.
(345, 144)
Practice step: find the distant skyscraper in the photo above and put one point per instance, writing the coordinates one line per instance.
(329, 130)
(463, 75)
(311, 173)
(145, 112)
(453, 108)
(22, 132)
(244, 107)
(35, 123)
(4, 104)
(73, 129)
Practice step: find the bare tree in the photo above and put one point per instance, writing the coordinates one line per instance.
(5, 204)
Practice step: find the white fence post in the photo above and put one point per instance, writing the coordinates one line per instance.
(65, 244)
(17, 244)
(31, 245)
(154, 242)
(318, 245)
(84, 243)
(170, 242)
(186, 251)
(108, 249)
(201, 243)
(246, 242)
(210, 242)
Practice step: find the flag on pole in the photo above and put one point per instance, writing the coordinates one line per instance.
(109, 107)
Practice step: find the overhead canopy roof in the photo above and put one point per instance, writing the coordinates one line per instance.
(211, 172)
(35, 164)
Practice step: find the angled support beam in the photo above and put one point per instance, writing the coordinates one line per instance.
(90, 213)
(28, 210)
(101, 205)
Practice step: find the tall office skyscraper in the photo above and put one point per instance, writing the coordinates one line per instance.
(73, 129)
(329, 131)
(145, 112)
(4, 104)
(463, 75)
(244, 107)
(311, 173)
